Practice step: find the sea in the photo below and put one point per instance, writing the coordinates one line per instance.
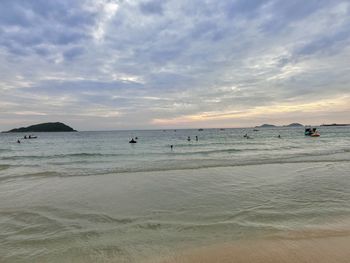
(94, 197)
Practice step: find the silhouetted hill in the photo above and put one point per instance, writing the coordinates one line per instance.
(336, 124)
(45, 127)
(295, 124)
(265, 126)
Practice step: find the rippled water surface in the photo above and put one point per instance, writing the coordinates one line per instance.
(92, 196)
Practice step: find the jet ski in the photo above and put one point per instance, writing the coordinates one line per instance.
(311, 132)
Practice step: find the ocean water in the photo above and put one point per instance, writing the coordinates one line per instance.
(93, 197)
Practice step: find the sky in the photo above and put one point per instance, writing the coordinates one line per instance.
(127, 64)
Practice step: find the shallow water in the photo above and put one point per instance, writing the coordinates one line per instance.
(93, 197)
(91, 153)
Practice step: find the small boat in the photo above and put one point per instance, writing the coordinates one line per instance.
(311, 132)
(200, 129)
(30, 137)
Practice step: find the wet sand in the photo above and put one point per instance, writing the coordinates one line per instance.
(325, 247)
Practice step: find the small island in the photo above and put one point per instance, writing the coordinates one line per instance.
(45, 127)
(295, 124)
(335, 124)
(266, 126)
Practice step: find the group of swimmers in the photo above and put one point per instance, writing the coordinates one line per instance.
(196, 138)
(189, 138)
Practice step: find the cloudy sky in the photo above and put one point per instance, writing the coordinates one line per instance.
(125, 64)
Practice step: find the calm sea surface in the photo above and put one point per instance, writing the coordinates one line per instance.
(93, 197)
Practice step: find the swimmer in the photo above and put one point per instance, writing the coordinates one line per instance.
(132, 141)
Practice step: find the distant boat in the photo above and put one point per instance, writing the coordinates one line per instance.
(311, 132)
(30, 137)
(255, 130)
(200, 129)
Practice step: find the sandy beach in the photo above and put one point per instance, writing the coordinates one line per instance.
(322, 248)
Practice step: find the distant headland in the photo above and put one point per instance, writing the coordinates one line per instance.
(266, 126)
(336, 124)
(295, 124)
(45, 127)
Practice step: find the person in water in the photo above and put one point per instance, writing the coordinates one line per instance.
(197, 138)
(171, 147)
(18, 141)
(279, 136)
(132, 141)
(25, 136)
(188, 138)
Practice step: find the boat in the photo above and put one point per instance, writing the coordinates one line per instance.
(311, 132)
(30, 137)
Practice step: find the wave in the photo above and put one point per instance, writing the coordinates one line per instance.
(41, 225)
(16, 157)
(178, 165)
(160, 153)
(169, 161)
(4, 167)
(31, 175)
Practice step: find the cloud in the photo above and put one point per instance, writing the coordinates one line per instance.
(154, 63)
(152, 7)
